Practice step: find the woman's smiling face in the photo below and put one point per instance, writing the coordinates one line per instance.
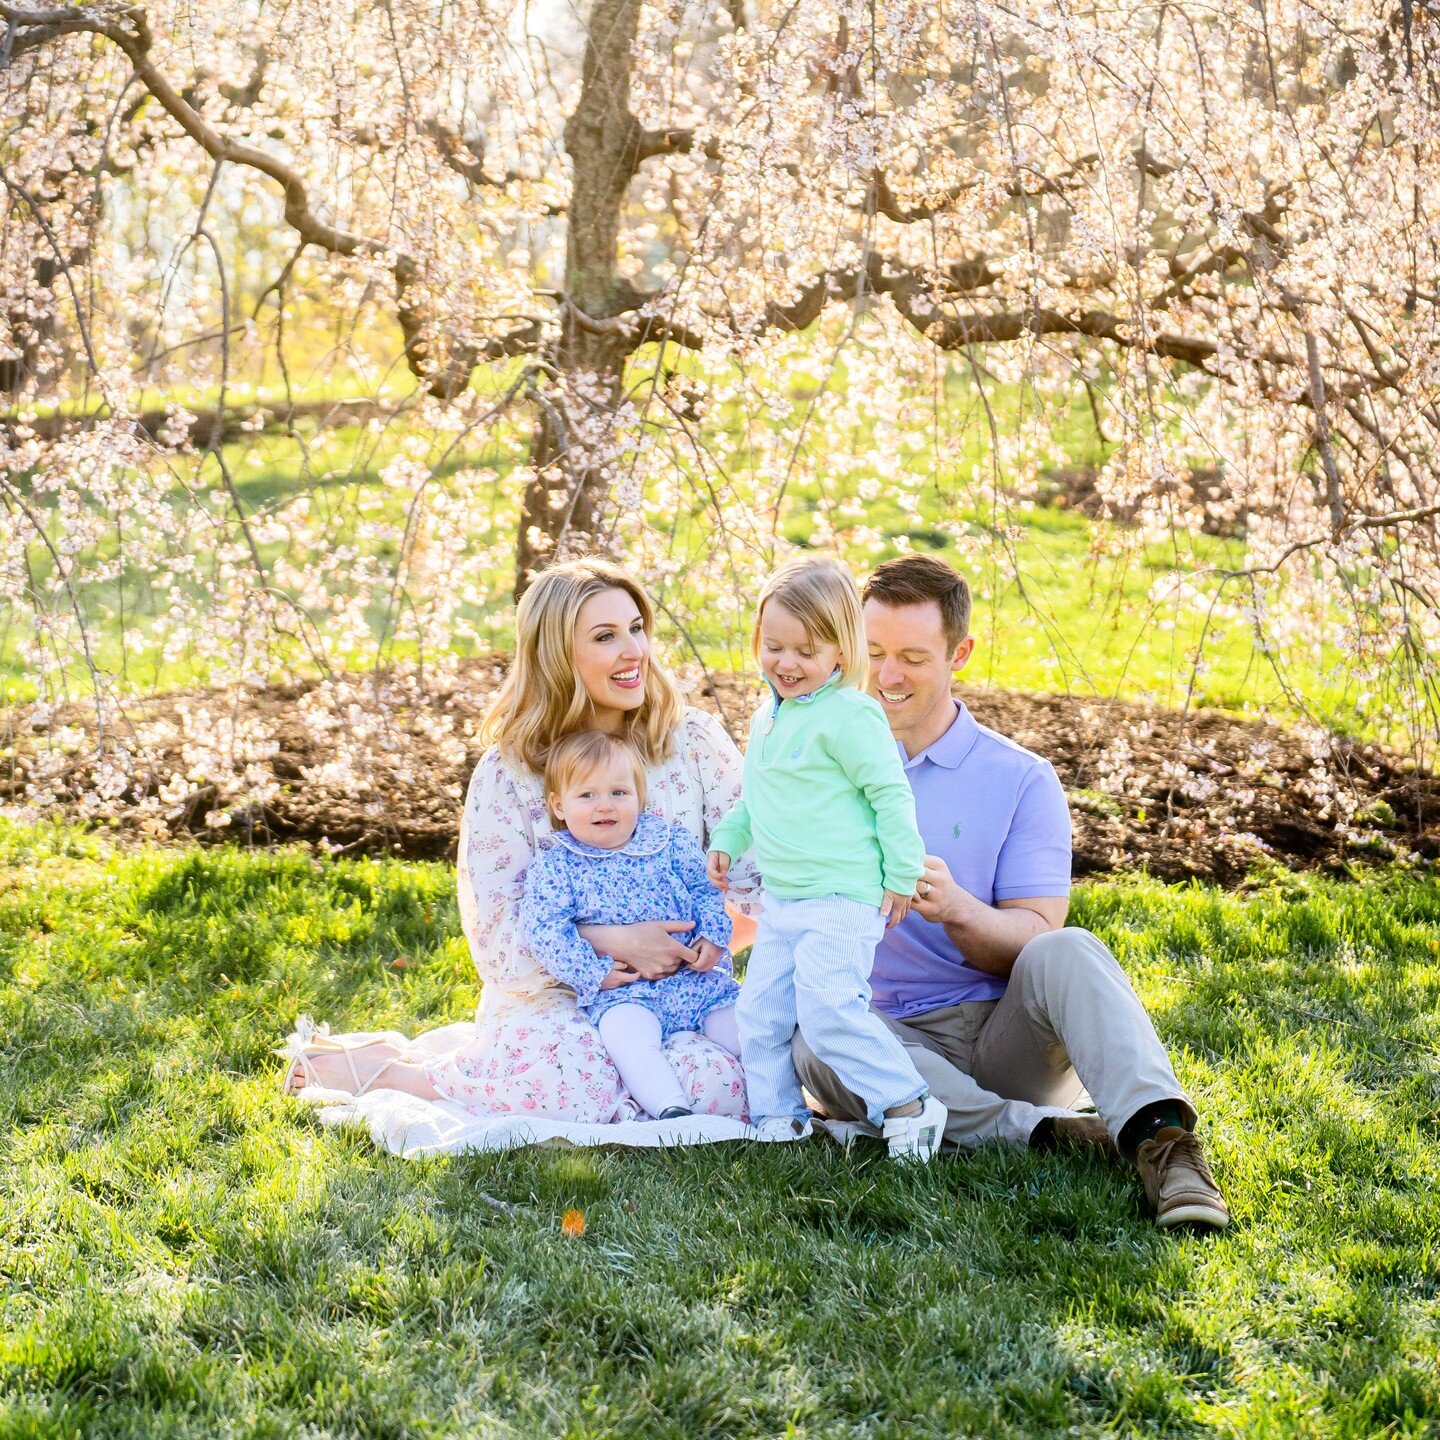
(612, 654)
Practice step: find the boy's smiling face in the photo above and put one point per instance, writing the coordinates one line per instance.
(602, 806)
(793, 662)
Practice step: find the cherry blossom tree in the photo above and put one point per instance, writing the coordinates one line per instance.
(671, 279)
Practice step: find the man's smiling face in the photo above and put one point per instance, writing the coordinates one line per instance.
(911, 667)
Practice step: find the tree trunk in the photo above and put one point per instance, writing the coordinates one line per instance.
(575, 423)
(28, 333)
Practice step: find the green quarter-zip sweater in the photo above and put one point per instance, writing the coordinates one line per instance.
(824, 800)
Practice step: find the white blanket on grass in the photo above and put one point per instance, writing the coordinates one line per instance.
(409, 1127)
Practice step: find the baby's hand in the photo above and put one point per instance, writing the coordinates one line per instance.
(707, 956)
(619, 975)
(895, 908)
(717, 867)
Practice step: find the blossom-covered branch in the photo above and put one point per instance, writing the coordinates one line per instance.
(455, 290)
(128, 29)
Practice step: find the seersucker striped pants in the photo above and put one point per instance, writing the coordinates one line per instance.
(810, 968)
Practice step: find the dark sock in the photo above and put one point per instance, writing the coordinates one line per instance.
(1042, 1137)
(1146, 1124)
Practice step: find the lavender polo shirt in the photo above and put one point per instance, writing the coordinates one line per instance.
(996, 815)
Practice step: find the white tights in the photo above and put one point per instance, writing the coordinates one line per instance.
(632, 1036)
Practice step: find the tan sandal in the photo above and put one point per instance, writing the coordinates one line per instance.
(309, 1039)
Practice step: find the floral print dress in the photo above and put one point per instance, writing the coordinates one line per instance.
(534, 1052)
(658, 874)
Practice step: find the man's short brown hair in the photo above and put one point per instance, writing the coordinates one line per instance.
(919, 580)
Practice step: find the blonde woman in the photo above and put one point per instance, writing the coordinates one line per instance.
(583, 660)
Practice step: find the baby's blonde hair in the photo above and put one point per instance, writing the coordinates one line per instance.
(582, 754)
(820, 593)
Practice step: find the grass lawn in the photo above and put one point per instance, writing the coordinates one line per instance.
(185, 1253)
(1049, 616)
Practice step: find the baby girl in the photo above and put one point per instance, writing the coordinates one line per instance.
(614, 865)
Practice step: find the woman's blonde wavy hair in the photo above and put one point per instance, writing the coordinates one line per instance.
(543, 697)
(820, 593)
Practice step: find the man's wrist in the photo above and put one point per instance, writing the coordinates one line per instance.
(960, 909)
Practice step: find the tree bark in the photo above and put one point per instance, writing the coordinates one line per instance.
(28, 334)
(575, 423)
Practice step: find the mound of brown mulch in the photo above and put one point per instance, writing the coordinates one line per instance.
(1203, 794)
(1213, 796)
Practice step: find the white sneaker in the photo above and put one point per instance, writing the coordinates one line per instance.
(916, 1137)
(781, 1129)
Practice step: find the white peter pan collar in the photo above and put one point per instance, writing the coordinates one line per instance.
(650, 838)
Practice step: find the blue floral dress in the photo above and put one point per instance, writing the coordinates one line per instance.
(658, 874)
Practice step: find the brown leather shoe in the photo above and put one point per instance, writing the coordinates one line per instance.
(1082, 1132)
(1178, 1181)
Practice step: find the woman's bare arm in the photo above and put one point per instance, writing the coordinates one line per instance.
(652, 948)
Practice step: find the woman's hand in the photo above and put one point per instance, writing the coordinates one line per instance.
(894, 908)
(717, 867)
(650, 948)
(619, 975)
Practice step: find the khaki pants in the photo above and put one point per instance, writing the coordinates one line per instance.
(1069, 1023)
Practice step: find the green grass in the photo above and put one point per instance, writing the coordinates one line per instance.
(1051, 617)
(185, 1253)
(1063, 603)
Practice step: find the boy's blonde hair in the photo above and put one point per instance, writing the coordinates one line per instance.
(820, 593)
(543, 697)
(583, 753)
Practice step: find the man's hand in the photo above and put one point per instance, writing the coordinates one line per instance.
(707, 956)
(988, 936)
(894, 908)
(619, 975)
(717, 867)
(937, 896)
(650, 947)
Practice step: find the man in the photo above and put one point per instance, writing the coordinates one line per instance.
(1009, 1018)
